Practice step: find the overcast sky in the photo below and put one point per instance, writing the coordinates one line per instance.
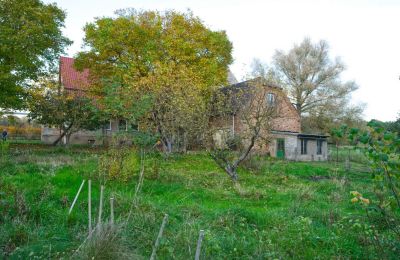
(365, 34)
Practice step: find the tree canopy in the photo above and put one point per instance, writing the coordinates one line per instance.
(30, 44)
(50, 106)
(311, 78)
(171, 56)
(312, 81)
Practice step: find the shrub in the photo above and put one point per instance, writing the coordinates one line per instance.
(106, 244)
(119, 163)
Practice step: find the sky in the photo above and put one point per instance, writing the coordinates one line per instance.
(363, 33)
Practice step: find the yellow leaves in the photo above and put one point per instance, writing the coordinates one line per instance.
(354, 200)
(357, 197)
(355, 193)
(365, 201)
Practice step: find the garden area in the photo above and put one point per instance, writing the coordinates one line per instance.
(277, 209)
(128, 135)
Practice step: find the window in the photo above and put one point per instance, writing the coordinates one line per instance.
(134, 127)
(122, 125)
(107, 126)
(303, 146)
(270, 98)
(319, 146)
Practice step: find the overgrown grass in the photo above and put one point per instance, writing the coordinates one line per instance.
(277, 210)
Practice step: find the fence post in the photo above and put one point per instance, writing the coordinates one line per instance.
(199, 241)
(76, 197)
(90, 206)
(100, 208)
(157, 243)
(112, 211)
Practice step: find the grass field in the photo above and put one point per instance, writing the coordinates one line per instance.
(278, 210)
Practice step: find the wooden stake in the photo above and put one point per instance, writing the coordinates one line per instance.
(76, 197)
(112, 211)
(100, 208)
(90, 205)
(198, 249)
(157, 243)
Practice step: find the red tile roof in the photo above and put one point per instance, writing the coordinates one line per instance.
(70, 78)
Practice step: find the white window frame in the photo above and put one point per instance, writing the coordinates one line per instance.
(109, 126)
(271, 99)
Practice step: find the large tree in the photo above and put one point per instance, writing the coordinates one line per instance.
(311, 78)
(30, 44)
(172, 57)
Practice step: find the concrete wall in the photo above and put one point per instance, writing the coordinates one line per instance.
(293, 148)
(312, 151)
(290, 145)
(49, 135)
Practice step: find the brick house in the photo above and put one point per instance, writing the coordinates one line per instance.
(287, 141)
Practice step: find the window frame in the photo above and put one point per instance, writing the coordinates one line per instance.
(303, 146)
(319, 146)
(271, 99)
(108, 128)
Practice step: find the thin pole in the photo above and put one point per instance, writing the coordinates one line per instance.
(90, 205)
(157, 243)
(100, 208)
(198, 249)
(76, 197)
(112, 211)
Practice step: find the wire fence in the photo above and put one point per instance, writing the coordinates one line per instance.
(350, 157)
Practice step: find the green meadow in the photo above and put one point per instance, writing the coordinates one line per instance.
(277, 210)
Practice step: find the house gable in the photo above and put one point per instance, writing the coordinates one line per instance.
(287, 119)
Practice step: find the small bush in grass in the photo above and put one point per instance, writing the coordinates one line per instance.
(119, 163)
(106, 244)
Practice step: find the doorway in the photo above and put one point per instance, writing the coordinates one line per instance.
(280, 148)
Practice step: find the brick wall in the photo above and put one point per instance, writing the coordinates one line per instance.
(287, 119)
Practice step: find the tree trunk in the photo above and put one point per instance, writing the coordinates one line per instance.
(169, 146)
(68, 137)
(65, 131)
(231, 171)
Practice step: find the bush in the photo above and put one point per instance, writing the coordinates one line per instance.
(119, 163)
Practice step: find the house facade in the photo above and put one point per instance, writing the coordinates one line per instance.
(285, 137)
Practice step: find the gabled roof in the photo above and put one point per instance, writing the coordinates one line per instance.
(251, 82)
(70, 78)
